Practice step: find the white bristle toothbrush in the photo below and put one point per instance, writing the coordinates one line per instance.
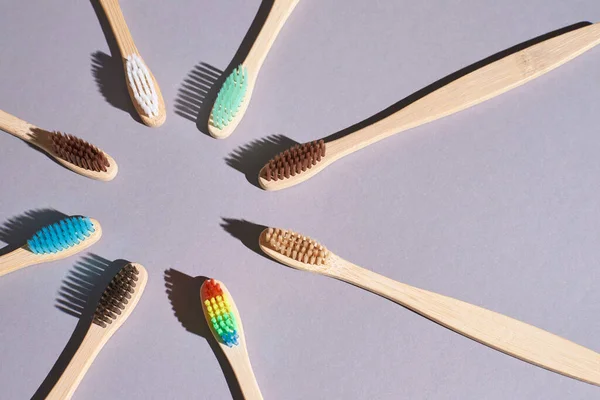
(234, 96)
(225, 323)
(60, 240)
(302, 162)
(497, 331)
(72, 152)
(118, 301)
(141, 84)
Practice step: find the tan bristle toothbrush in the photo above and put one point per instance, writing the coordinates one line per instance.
(225, 323)
(304, 161)
(114, 307)
(141, 84)
(497, 331)
(75, 154)
(60, 240)
(234, 96)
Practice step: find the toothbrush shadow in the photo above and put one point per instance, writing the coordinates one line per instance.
(251, 157)
(203, 98)
(450, 78)
(197, 93)
(108, 71)
(246, 232)
(183, 292)
(17, 230)
(78, 296)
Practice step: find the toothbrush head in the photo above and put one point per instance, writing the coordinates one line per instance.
(219, 312)
(229, 101)
(293, 166)
(79, 152)
(70, 235)
(294, 250)
(120, 296)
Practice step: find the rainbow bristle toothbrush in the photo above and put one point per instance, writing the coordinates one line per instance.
(497, 331)
(234, 96)
(62, 239)
(225, 324)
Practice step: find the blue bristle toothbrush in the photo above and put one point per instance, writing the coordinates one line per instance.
(53, 242)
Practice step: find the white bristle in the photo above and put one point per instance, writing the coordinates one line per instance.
(142, 86)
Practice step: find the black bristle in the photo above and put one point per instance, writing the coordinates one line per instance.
(116, 296)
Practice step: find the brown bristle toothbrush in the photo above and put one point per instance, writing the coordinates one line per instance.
(114, 307)
(74, 153)
(304, 161)
(497, 331)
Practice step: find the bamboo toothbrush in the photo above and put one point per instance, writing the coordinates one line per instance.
(225, 323)
(234, 96)
(141, 84)
(118, 301)
(74, 153)
(302, 162)
(497, 331)
(53, 242)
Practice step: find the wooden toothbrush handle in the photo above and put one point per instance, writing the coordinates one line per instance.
(478, 86)
(240, 363)
(15, 126)
(80, 363)
(113, 12)
(278, 14)
(17, 259)
(497, 331)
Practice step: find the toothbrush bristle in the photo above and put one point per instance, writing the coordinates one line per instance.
(142, 85)
(220, 312)
(116, 296)
(61, 235)
(79, 152)
(296, 246)
(294, 161)
(230, 98)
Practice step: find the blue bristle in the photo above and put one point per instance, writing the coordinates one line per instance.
(61, 235)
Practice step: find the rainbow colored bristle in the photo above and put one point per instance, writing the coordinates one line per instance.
(220, 312)
(61, 235)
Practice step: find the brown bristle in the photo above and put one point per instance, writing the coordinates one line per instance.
(79, 152)
(116, 295)
(296, 246)
(294, 161)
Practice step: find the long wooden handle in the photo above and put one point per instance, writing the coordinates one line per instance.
(78, 366)
(278, 14)
(15, 126)
(478, 86)
(240, 363)
(497, 331)
(17, 259)
(113, 12)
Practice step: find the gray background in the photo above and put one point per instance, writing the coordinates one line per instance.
(497, 205)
